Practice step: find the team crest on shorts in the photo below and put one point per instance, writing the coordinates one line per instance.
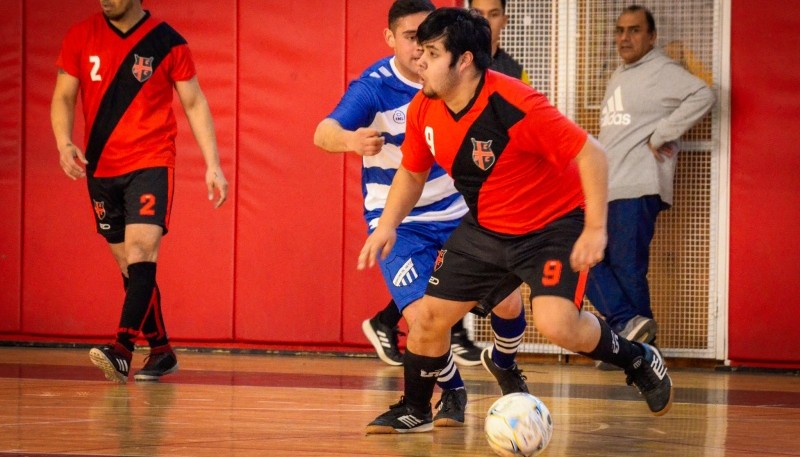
(142, 67)
(482, 154)
(99, 209)
(439, 260)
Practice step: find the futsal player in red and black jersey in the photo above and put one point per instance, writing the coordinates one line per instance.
(125, 64)
(536, 187)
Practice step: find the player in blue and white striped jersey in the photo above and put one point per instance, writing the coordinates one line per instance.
(377, 102)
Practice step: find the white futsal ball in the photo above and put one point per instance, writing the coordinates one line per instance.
(518, 424)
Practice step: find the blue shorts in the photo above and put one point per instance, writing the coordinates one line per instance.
(408, 267)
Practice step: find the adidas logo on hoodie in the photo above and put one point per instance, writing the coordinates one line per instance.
(613, 113)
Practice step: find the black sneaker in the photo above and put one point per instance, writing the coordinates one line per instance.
(451, 408)
(401, 418)
(114, 360)
(511, 380)
(160, 362)
(384, 340)
(649, 374)
(464, 350)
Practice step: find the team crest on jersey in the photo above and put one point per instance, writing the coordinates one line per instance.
(99, 209)
(142, 67)
(482, 154)
(439, 259)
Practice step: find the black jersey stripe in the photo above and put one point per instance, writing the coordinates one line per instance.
(493, 124)
(124, 88)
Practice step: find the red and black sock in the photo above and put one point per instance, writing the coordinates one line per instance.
(141, 285)
(153, 327)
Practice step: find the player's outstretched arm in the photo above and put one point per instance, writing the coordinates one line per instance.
(403, 195)
(593, 168)
(62, 116)
(197, 111)
(332, 137)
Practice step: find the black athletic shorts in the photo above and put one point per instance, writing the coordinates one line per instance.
(476, 264)
(140, 197)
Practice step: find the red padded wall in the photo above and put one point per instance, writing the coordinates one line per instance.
(289, 225)
(765, 197)
(69, 285)
(196, 267)
(364, 292)
(10, 165)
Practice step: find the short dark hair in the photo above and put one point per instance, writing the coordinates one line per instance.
(502, 5)
(403, 8)
(462, 30)
(651, 22)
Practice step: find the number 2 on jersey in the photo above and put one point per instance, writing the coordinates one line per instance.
(95, 60)
(148, 201)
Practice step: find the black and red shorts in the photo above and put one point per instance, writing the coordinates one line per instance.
(140, 197)
(476, 264)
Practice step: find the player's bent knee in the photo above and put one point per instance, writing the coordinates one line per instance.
(136, 253)
(430, 319)
(510, 307)
(142, 242)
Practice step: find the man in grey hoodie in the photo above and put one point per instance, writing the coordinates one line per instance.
(650, 101)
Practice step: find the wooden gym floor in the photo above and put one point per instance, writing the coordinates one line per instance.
(53, 402)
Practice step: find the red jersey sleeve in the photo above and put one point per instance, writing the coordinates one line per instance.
(182, 65)
(417, 155)
(550, 133)
(70, 56)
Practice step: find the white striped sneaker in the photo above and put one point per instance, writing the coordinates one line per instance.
(384, 339)
(401, 418)
(114, 360)
(464, 350)
(649, 374)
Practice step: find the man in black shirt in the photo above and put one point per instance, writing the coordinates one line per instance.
(495, 12)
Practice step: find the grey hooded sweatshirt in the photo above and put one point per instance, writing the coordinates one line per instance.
(652, 100)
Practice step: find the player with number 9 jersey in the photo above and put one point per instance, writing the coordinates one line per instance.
(510, 153)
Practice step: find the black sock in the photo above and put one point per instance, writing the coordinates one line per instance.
(389, 316)
(459, 326)
(420, 376)
(153, 327)
(141, 281)
(613, 348)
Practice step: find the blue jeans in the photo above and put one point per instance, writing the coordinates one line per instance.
(618, 285)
